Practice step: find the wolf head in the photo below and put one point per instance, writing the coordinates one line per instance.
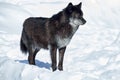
(75, 14)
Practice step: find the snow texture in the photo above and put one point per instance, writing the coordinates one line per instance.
(93, 53)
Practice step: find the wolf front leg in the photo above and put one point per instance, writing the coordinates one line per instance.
(61, 57)
(53, 52)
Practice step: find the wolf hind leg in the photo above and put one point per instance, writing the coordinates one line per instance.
(31, 56)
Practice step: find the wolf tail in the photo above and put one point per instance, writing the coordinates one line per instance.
(23, 47)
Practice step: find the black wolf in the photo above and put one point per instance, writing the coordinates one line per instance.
(52, 33)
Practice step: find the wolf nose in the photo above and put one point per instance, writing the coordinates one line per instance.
(85, 21)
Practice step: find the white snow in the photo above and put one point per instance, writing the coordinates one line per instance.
(93, 53)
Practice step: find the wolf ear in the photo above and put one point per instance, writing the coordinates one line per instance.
(70, 4)
(69, 7)
(80, 5)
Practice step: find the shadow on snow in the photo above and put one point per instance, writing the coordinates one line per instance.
(38, 63)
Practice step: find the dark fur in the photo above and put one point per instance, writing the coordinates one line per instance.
(50, 33)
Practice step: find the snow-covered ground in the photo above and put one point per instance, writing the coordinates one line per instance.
(93, 53)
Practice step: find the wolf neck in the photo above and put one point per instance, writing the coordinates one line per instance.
(74, 27)
(60, 17)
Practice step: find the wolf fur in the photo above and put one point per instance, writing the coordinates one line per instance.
(52, 33)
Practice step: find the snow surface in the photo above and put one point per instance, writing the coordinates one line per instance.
(93, 53)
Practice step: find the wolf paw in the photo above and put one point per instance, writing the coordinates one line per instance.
(60, 68)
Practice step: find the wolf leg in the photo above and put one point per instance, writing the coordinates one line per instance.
(31, 57)
(61, 57)
(53, 52)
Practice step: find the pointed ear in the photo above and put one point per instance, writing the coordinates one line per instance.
(70, 4)
(80, 5)
(69, 7)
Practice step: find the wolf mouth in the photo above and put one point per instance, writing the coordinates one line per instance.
(76, 22)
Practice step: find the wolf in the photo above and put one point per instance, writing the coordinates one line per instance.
(52, 33)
